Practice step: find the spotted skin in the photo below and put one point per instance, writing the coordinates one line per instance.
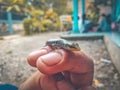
(61, 43)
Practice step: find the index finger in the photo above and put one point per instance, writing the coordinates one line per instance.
(32, 57)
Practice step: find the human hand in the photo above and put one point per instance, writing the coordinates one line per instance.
(76, 67)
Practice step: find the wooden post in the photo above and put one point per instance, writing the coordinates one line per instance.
(117, 8)
(83, 7)
(75, 17)
(10, 22)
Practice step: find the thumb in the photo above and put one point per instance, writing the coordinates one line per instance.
(52, 62)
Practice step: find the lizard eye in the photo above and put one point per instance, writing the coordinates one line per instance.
(77, 45)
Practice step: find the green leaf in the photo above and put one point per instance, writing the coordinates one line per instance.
(9, 8)
(17, 8)
(14, 1)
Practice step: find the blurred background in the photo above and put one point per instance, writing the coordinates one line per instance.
(25, 26)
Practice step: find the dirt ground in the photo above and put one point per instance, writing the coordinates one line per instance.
(15, 48)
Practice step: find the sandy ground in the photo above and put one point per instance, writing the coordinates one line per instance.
(14, 68)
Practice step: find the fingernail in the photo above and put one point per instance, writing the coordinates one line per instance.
(34, 55)
(51, 58)
(44, 51)
(39, 52)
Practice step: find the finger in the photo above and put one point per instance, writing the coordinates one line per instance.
(62, 60)
(32, 57)
(81, 74)
(52, 62)
(79, 66)
(64, 85)
(48, 82)
(40, 81)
